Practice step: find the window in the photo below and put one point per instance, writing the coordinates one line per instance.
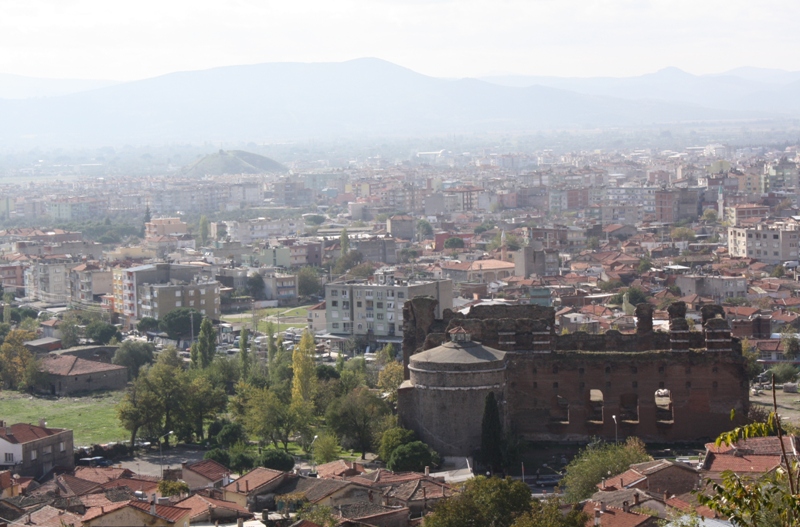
(401, 295)
(202, 301)
(61, 447)
(178, 303)
(47, 450)
(380, 316)
(9, 458)
(177, 293)
(334, 303)
(191, 292)
(34, 454)
(379, 305)
(335, 325)
(334, 292)
(191, 303)
(202, 291)
(358, 304)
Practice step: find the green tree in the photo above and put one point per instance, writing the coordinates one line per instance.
(491, 434)
(344, 242)
(750, 354)
(304, 385)
(424, 228)
(272, 419)
(321, 515)
(276, 460)
(256, 287)
(219, 455)
(230, 435)
(347, 262)
(710, 216)
(8, 299)
(178, 323)
(355, 416)
(314, 219)
(140, 406)
(550, 512)
(169, 382)
(454, 243)
(593, 242)
(15, 358)
(102, 332)
(145, 221)
(784, 372)
(203, 403)
(644, 266)
(326, 448)
(133, 355)
(172, 488)
(203, 229)
(147, 324)
(205, 349)
(364, 270)
(244, 353)
(682, 234)
(308, 283)
(412, 457)
(70, 335)
(778, 272)
(489, 502)
(390, 378)
(392, 438)
(594, 462)
(791, 345)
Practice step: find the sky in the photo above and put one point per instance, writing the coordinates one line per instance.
(127, 40)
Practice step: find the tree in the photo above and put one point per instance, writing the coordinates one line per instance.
(322, 515)
(276, 460)
(271, 419)
(230, 435)
(390, 378)
(710, 216)
(593, 242)
(255, 287)
(15, 358)
(412, 457)
(145, 220)
(139, 407)
(751, 356)
(391, 439)
(204, 350)
(364, 270)
(355, 416)
(219, 455)
(791, 345)
(549, 513)
(454, 243)
(682, 234)
(69, 333)
(244, 353)
(168, 381)
(326, 448)
(784, 372)
(491, 434)
(424, 228)
(178, 323)
(133, 355)
(8, 298)
(203, 403)
(308, 282)
(484, 501)
(172, 488)
(304, 384)
(347, 262)
(147, 324)
(594, 462)
(344, 243)
(203, 229)
(778, 272)
(102, 332)
(314, 219)
(644, 266)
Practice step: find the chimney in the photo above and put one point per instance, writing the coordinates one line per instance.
(597, 516)
(666, 495)
(636, 498)
(603, 484)
(153, 505)
(427, 471)
(237, 486)
(2, 423)
(621, 484)
(247, 485)
(602, 506)
(42, 423)
(626, 507)
(239, 522)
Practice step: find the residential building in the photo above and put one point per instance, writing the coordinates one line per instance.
(66, 374)
(738, 214)
(477, 271)
(76, 208)
(47, 280)
(769, 243)
(401, 226)
(719, 288)
(200, 293)
(677, 204)
(780, 175)
(255, 230)
(376, 249)
(87, 283)
(280, 286)
(244, 490)
(461, 199)
(165, 227)
(316, 318)
(30, 450)
(375, 308)
(136, 512)
(529, 261)
(204, 474)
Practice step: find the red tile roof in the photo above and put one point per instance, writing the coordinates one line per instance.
(102, 474)
(739, 464)
(25, 433)
(168, 512)
(70, 365)
(199, 505)
(209, 469)
(254, 479)
(614, 517)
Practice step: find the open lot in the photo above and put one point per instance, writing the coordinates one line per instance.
(788, 405)
(93, 418)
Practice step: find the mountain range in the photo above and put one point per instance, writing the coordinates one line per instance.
(372, 97)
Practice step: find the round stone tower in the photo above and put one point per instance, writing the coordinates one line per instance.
(444, 397)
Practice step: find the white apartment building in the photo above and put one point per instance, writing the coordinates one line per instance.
(769, 243)
(375, 308)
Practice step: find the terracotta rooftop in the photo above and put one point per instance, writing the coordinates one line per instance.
(25, 433)
(70, 365)
(199, 505)
(254, 479)
(168, 512)
(739, 464)
(49, 516)
(102, 474)
(614, 517)
(209, 469)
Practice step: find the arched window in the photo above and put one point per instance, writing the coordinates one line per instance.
(594, 410)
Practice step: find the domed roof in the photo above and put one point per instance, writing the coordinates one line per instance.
(464, 352)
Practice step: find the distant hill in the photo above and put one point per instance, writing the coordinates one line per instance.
(232, 162)
(20, 87)
(371, 97)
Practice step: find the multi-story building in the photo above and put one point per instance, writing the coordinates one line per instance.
(677, 204)
(13, 276)
(47, 280)
(32, 451)
(87, 282)
(376, 249)
(375, 308)
(165, 227)
(461, 199)
(737, 214)
(201, 293)
(280, 286)
(77, 208)
(401, 226)
(126, 301)
(644, 197)
(770, 243)
(255, 230)
(719, 288)
(316, 318)
(781, 175)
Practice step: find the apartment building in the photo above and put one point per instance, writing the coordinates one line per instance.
(719, 288)
(76, 208)
(47, 280)
(255, 230)
(769, 243)
(87, 282)
(32, 451)
(200, 293)
(738, 214)
(677, 204)
(644, 197)
(165, 227)
(780, 175)
(126, 301)
(375, 308)
(280, 286)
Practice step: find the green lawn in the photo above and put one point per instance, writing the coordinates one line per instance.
(93, 419)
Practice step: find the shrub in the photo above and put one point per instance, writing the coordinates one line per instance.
(276, 460)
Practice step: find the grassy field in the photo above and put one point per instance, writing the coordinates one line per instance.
(92, 419)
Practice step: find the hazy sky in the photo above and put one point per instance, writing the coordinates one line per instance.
(123, 40)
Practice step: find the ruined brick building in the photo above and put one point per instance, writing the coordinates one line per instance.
(661, 387)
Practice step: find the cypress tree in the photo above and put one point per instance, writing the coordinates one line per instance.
(491, 434)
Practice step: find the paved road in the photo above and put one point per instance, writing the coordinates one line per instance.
(148, 462)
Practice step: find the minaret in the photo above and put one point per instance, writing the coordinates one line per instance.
(503, 247)
(720, 205)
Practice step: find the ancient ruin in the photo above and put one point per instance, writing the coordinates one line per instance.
(662, 387)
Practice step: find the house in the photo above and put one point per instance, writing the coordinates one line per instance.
(316, 318)
(327, 492)
(657, 477)
(604, 516)
(418, 496)
(48, 516)
(102, 475)
(634, 499)
(66, 374)
(30, 450)
(136, 512)
(339, 469)
(205, 473)
(209, 510)
(244, 490)
(9, 486)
